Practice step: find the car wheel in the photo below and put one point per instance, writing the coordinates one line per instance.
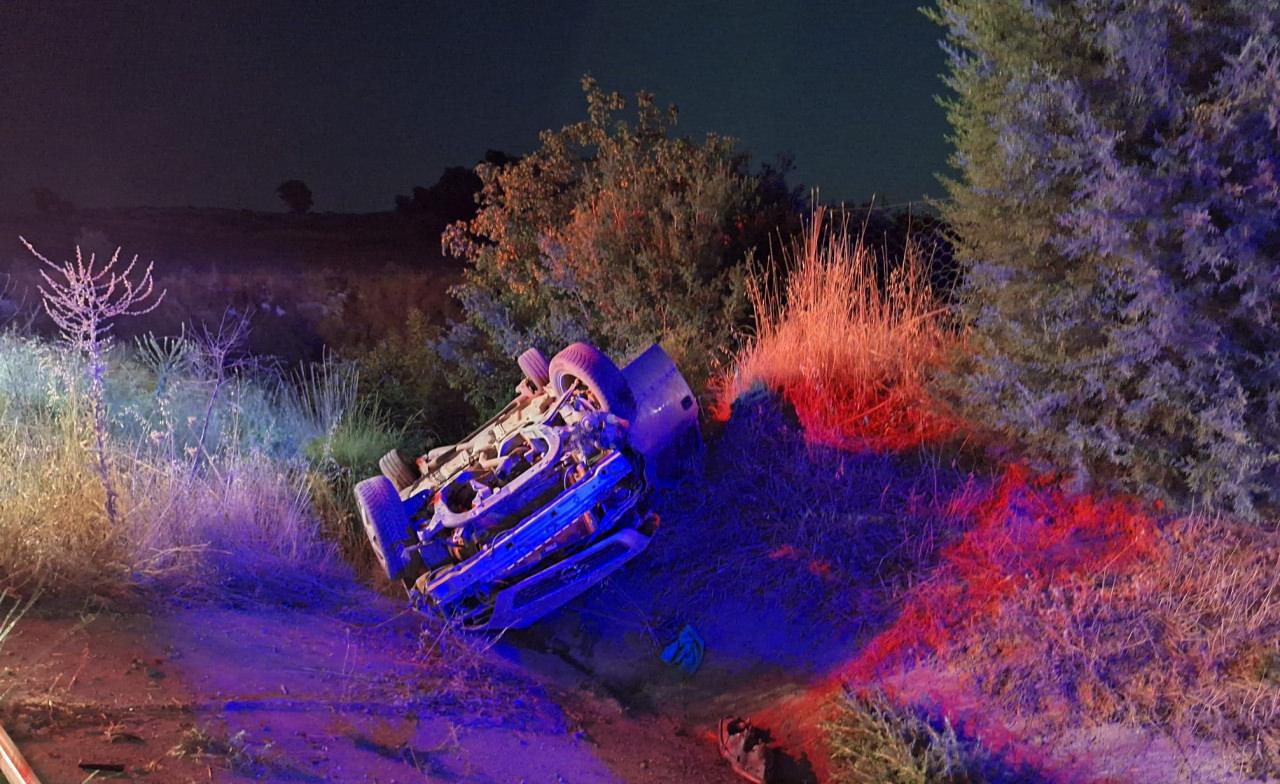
(385, 523)
(534, 365)
(603, 381)
(401, 472)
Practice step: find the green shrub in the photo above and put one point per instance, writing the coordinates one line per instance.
(614, 231)
(1118, 212)
(404, 377)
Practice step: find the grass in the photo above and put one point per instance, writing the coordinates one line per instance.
(874, 741)
(831, 518)
(351, 434)
(11, 615)
(244, 510)
(1023, 533)
(850, 338)
(1066, 608)
(1188, 642)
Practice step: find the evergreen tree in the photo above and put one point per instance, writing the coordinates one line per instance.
(1118, 212)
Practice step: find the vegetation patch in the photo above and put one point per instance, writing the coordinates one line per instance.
(1024, 534)
(614, 231)
(210, 488)
(874, 741)
(851, 339)
(1189, 643)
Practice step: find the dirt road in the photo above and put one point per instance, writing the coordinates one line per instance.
(337, 690)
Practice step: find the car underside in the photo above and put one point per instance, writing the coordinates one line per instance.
(542, 501)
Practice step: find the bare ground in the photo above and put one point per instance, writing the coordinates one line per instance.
(336, 691)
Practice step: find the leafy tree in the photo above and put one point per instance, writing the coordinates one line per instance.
(452, 198)
(1118, 212)
(613, 231)
(296, 195)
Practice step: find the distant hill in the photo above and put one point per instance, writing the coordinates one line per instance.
(228, 237)
(313, 280)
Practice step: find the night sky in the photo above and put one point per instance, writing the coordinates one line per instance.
(215, 103)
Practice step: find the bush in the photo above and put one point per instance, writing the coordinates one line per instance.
(612, 231)
(403, 376)
(1119, 215)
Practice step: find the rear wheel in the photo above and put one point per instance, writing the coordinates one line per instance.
(602, 380)
(533, 363)
(400, 471)
(385, 523)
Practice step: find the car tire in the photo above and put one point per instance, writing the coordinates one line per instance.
(385, 523)
(587, 364)
(533, 363)
(401, 472)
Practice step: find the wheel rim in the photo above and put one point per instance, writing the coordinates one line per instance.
(587, 392)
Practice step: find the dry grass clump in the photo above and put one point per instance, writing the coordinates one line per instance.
(874, 741)
(850, 339)
(246, 515)
(1189, 643)
(53, 526)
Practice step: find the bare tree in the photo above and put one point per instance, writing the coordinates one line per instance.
(84, 300)
(215, 356)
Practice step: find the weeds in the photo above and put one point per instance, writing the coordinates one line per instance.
(12, 615)
(1189, 643)
(214, 356)
(850, 340)
(873, 741)
(244, 511)
(258, 760)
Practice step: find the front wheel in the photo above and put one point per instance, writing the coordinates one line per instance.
(385, 523)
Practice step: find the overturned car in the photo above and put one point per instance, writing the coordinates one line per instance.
(545, 499)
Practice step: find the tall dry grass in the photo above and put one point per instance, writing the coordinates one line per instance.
(244, 511)
(850, 338)
(874, 741)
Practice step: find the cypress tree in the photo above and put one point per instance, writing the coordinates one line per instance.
(1117, 210)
